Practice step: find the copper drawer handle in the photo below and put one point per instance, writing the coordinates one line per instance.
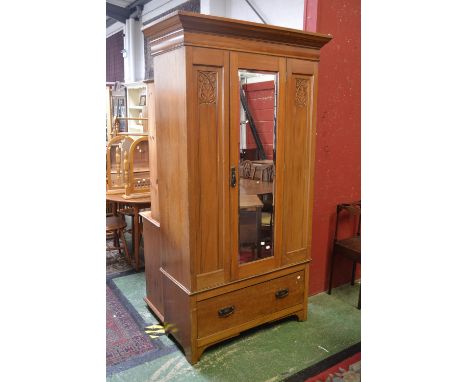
(282, 293)
(226, 312)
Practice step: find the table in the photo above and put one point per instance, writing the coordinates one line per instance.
(136, 205)
(255, 187)
(247, 203)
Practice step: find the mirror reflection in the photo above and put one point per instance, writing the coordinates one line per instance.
(258, 100)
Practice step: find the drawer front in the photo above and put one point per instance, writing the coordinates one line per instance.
(235, 308)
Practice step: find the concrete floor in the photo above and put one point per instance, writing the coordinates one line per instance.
(268, 353)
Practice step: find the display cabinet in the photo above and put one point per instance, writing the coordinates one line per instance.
(136, 170)
(127, 163)
(115, 109)
(230, 248)
(116, 160)
(136, 107)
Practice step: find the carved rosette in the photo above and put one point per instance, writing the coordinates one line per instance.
(207, 84)
(302, 86)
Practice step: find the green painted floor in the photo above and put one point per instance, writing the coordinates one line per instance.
(269, 353)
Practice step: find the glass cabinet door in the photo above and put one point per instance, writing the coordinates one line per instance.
(255, 87)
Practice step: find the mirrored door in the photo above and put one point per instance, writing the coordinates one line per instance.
(255, 98)
(256, 166)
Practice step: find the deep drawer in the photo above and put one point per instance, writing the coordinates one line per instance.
(235, 308)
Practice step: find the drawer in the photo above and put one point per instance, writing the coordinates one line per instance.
(235, 308)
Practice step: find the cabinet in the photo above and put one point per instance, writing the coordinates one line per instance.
(127, 166)
(136, 107)
(115, 108)
(234, 123)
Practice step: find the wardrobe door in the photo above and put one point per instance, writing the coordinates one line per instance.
(299, 152)
(208, 164)
(256, 120)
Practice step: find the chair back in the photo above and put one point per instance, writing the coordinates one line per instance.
(352, 209)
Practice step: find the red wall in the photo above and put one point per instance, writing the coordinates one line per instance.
(338, 154)
(261, 101)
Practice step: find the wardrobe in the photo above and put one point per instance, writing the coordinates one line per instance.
(232, 143)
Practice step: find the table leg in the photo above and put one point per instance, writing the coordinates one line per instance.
(258, 218)
(114, 212)
(136, 238)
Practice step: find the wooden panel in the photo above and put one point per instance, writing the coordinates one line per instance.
(171, 137)
(249, 303)
(178, 314)
(208, 150)
(152, 251)
(153, 158)
(235, 285)
(299, 138)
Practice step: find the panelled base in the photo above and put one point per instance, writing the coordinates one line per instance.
(201, 319)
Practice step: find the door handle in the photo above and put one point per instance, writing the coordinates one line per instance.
(233, 176)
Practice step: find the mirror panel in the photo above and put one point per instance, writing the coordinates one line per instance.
(258, 105)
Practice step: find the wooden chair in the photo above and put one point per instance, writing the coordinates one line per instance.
(246, 170)
(262, 172)
(115, 225)
(125, 210)
(349, 247)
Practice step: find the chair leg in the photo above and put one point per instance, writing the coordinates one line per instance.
(353, 275)
(124, 242)
(359, 301)
(116, 241)
(115, 238)
(133, 232)
(331, 274)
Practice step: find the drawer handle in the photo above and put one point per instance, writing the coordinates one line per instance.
(226, 312)
(282, 293)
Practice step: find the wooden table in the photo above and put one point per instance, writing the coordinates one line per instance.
(251, 203)
(136, 205)
(255, 187)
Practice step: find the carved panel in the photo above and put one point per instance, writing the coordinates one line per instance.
(207, 84)
(302, 85)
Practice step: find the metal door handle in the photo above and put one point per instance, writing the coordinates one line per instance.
(233, 176)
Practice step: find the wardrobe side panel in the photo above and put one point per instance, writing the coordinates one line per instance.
(171, 137)
(152, 150)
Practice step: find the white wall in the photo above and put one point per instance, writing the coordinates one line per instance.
(285, 13)
(156, 7)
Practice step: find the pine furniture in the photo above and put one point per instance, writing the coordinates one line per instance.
(201, 277)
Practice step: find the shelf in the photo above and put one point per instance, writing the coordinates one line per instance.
(135, 85)
(136, 107)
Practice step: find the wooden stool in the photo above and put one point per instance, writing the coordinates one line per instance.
(116, 226)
